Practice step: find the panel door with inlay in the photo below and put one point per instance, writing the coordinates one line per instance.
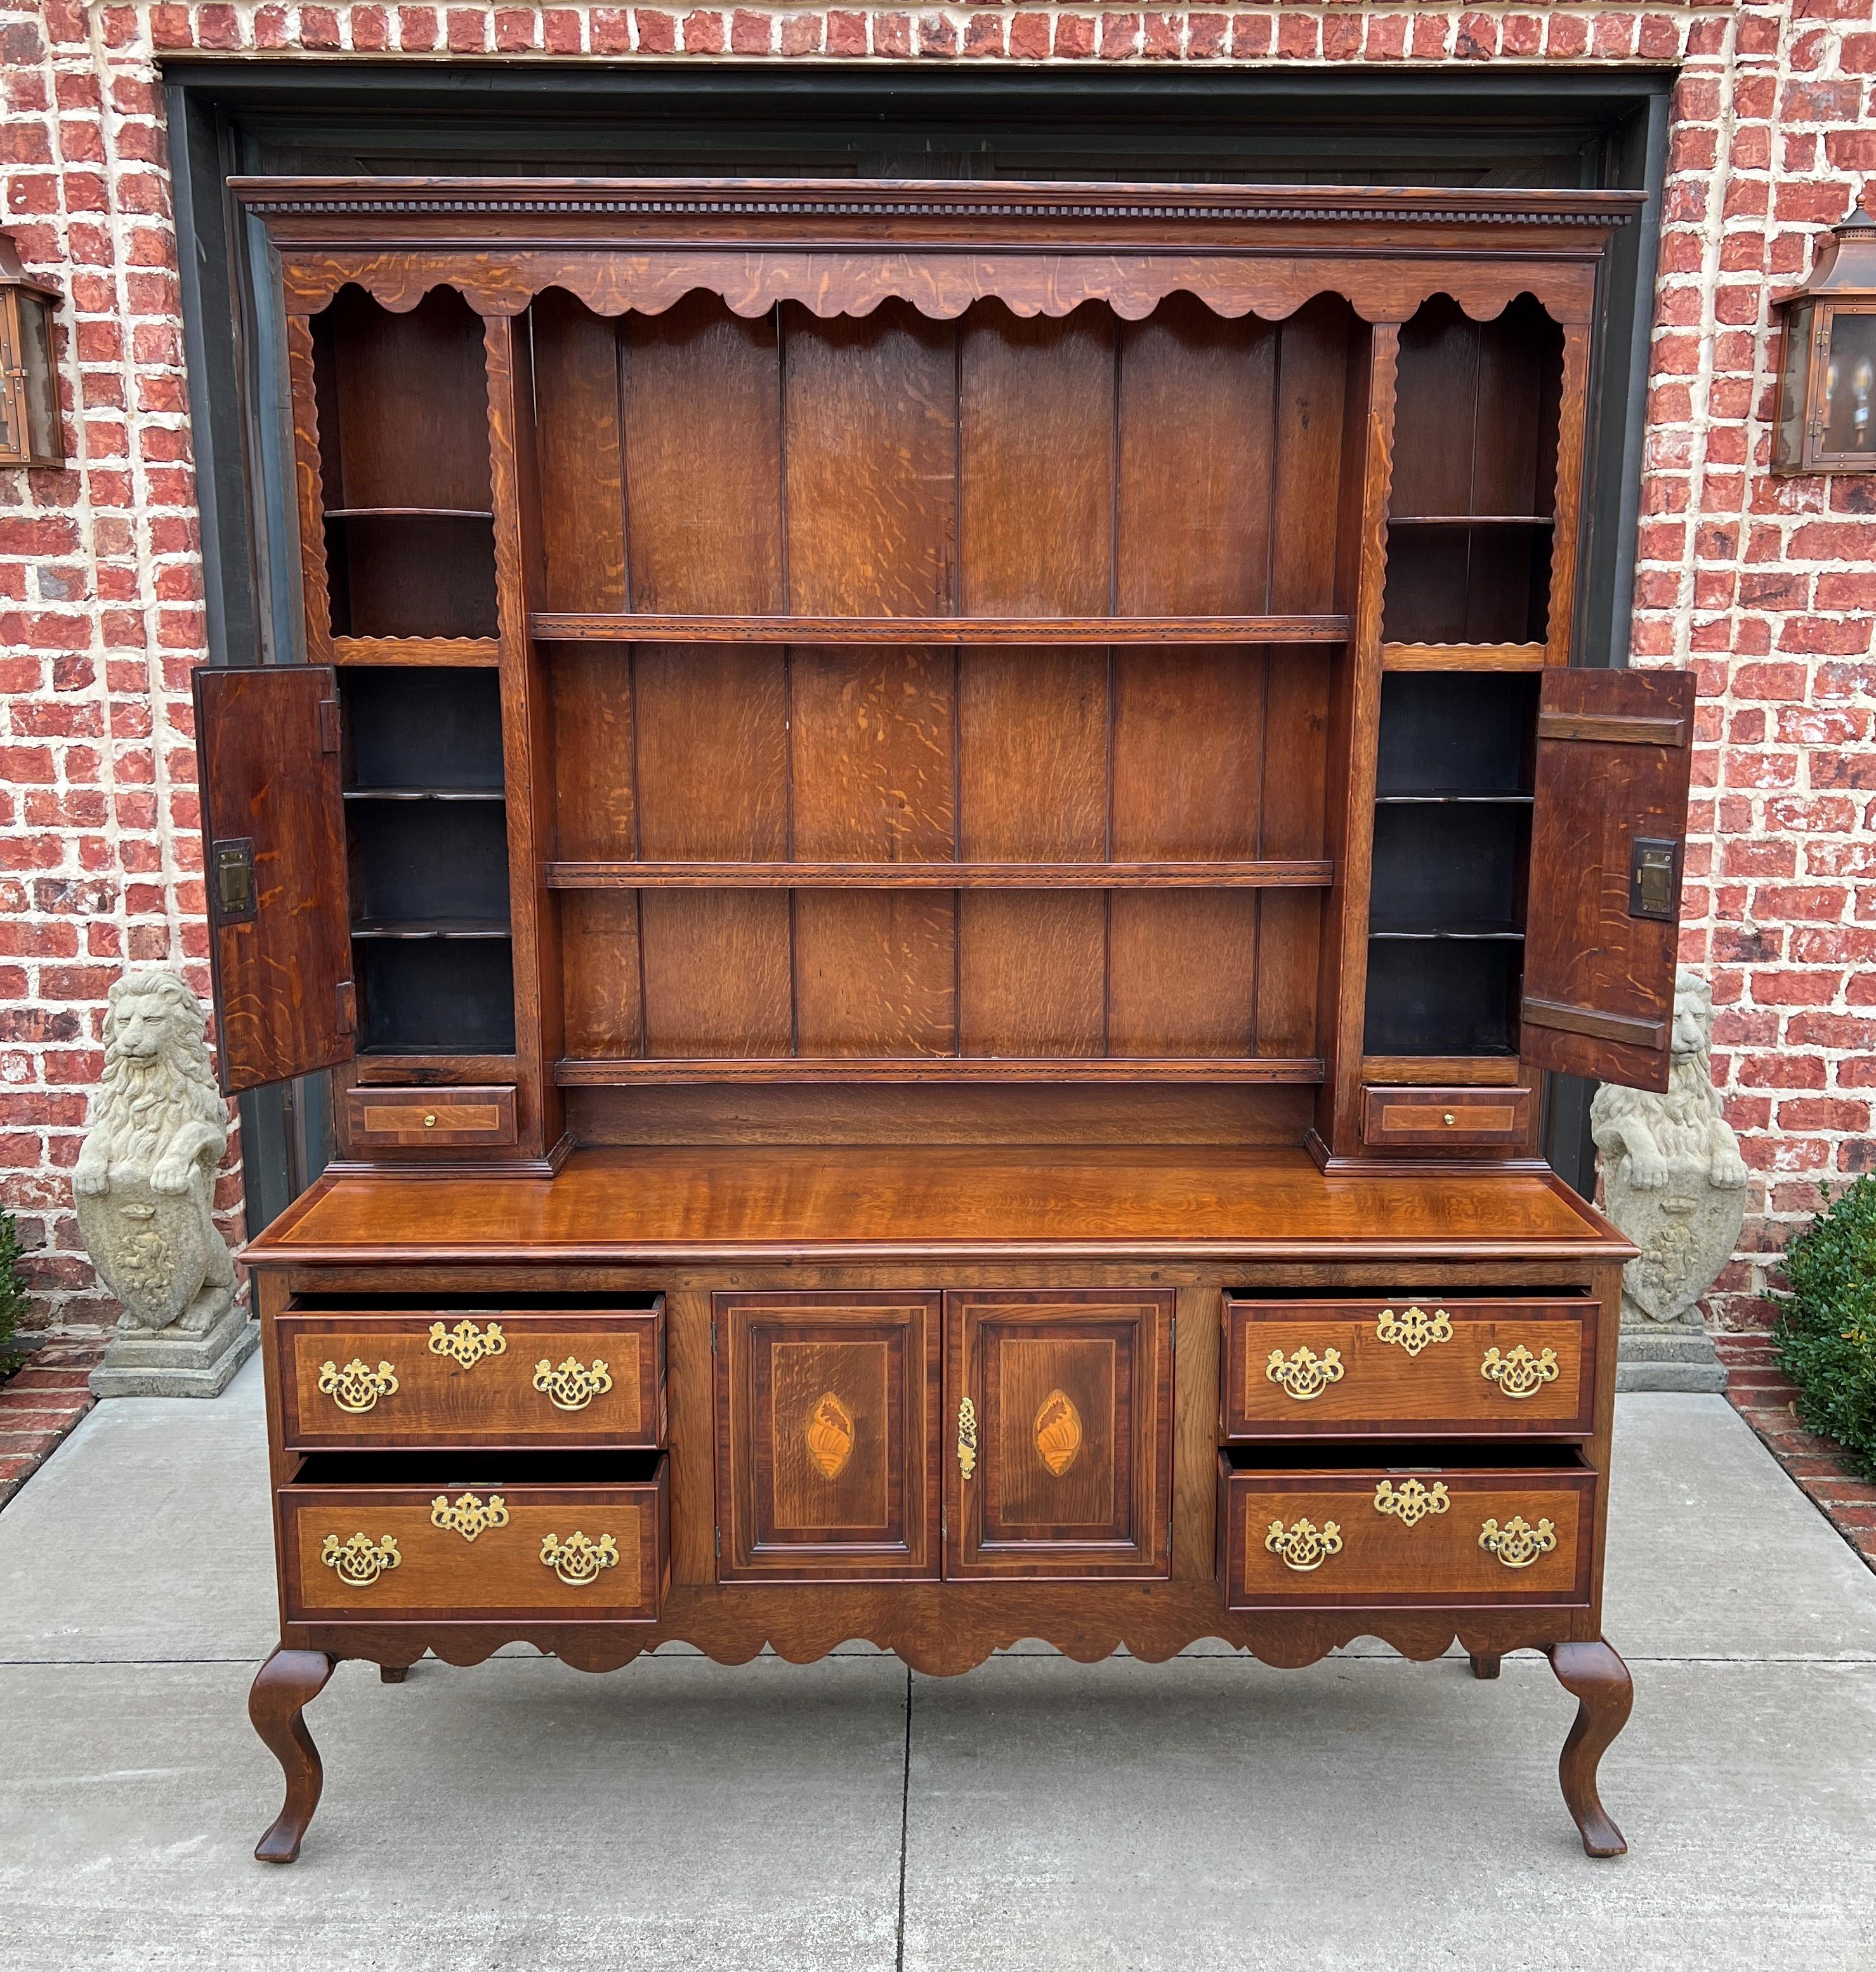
(827, 1419)
(1058, 1448)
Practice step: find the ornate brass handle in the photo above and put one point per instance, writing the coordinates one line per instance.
(967, 1439)
(1410, 1502)
(468, 1516)
(1301, 1546)
(1518, 1374)
(1414, 1328)
(355, 1388)
(465, 1343)
(572, 1386)
(576, 1560)
(1517, 1544)
(359, 1562)
(1304, 1375)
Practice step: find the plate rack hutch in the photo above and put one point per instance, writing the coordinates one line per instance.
(938, 833)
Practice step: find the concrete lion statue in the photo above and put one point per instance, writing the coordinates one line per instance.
(146, 1178)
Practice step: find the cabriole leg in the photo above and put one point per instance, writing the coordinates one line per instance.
(1604, 1692)
(1485, 1664)
(288, 1680)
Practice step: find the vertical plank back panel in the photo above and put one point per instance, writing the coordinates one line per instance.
(595, 786)
(1434, 422)
(583, 484)
(1294, 816)
(1312, 381)
(599, 953)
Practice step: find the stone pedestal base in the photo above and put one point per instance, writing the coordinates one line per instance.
(164, 1363)
(1668, 1355)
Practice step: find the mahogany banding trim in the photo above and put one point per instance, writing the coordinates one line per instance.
(1221, 876)
(616, 627)
(1599, 1026)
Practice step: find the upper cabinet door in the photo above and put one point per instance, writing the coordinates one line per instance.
(267, 747)
(1608, 842)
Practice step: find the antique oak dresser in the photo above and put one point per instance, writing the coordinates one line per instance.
(938, 835)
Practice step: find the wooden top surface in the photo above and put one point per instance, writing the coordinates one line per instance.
(879, 1203)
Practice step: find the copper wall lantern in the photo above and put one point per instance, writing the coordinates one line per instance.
(31, 432)
(1827, 376)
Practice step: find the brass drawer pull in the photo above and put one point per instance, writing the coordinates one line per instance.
(1304, 1375)
(572, 1386)
(967, 1439)
(354, 1388)
(1414, 1328)
(467, 1344)
(576, 1560)
(1301, 1546)
(359, 1562)
(1518, 1372)
(468, 1516)
(1517, 1544)
(1410, 1502)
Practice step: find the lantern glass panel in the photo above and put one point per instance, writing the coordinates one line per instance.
(1849, 384)
(41, 379)
(1793, 385)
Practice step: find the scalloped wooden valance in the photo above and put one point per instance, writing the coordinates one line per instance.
(843, 249)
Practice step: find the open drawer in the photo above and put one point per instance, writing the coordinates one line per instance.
(1440, 1365)
(1400, 1536)
(550, 1546)
(438, 1375)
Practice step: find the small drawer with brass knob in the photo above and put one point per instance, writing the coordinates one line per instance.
(468, 1547)
(1450, 1119)
(1443, 1365)
(1400, 1538)
(409, 1119)
(440, 1375)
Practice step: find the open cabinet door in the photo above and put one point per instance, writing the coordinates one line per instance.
(267, 749)
(1614, 749)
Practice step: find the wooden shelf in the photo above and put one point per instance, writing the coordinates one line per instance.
(465, 650)
(404, 929)
(408, 514)
(1440, 1071)
(591, 1072)
(1470, 933)
(569, 626)
(632, 875)
(1471, 520)
(431, 1069)
(1449, 800)
(425, 794)
(1462, 657)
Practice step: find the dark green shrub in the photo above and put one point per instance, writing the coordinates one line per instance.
(12, 1294)
(1825, 1336)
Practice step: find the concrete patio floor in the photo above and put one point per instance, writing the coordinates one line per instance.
(1036, 1814)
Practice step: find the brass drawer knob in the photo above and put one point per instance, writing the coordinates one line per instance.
(967, 1439)
(1410, 1502)
(1518, 1374)
(1449, 1119)
(572, 1386)
(1300, 1545)
(576, 1560)
(1517, 1544)
(354, 1388)
(429, 1119)
(467, 1344)
(1414, 1328)
(469, 1517)
(1304, 1375)
(359, 1562)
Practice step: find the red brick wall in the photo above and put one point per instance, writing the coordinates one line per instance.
(1764, 587)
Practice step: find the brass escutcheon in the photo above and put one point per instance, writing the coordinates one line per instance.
(467, 1344)
(1517, 1544)
(967, 1439)
(1305, 1376)
(355, 1388)
(576, 1560)
(359, 1561)
(1414, 1328)
(1301, 1546)
(468, 1516)
(1410, 1502)
(1518, 1374)
(572, 1386)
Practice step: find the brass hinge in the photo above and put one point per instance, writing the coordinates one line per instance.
(328, 725)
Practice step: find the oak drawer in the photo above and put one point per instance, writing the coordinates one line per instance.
(430, 1118)
(1439, 1364)
(477, 1553)
(1406, 1538)
(442, 1377)
(1419, 1119)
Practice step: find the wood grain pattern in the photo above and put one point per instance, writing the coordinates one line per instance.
(612, 627)
(491, 1403)
(381, 1119)
(1429, 1119)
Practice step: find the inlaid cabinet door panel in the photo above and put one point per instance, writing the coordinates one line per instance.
(1059, 1433)
(827, 1419)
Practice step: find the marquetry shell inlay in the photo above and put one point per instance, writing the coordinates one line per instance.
(830, 1435)
(1058, 1432)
